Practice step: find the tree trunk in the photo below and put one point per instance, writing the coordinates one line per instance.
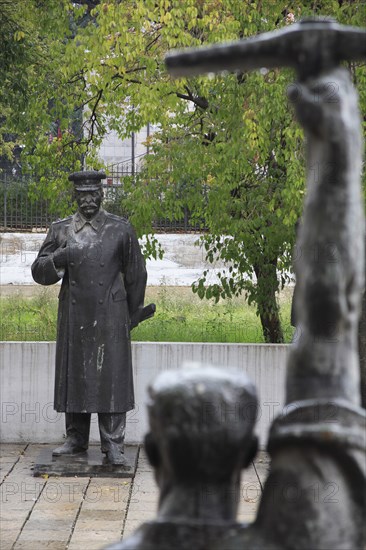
(268, 309)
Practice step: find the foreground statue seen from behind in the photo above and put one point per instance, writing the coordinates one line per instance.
(200, 438)
(314, 497)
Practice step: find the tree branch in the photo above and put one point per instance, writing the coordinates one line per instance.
(150, 44)
(201, 102)
(90, 3)
(93, 116)
(96, 96)
(128, 71)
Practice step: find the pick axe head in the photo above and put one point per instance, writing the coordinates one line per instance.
(312, 46)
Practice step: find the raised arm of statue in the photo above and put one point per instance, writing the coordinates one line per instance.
(314, 496)
(329, 268)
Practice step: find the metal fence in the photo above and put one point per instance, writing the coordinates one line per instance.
(114, 194)
(20, 212)
(118, 171)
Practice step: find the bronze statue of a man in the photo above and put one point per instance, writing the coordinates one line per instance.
(98, 258)
(314, 496)
(200, 438)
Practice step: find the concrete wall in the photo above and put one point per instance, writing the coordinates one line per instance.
(27, 377)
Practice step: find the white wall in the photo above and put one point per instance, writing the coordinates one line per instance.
(114, 150)
(182, 264)
(27, 377)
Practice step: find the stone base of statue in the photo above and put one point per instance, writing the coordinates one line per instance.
(92, 463)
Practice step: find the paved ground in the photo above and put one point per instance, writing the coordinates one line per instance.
(86, 513)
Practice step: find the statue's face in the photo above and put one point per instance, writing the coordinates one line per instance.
(89, 202)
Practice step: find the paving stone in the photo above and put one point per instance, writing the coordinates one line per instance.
(143, 463)
(101, 512)
(5, 470)
(262, 465)
(87, 525)
(12, 524)
(144, 506)
(102, 496)
(92, 539)
(39, 535)
(57, 508)
(23, 468)
(140, 515)
(11, 514)
(247, 517)
(101, 515)
(54, 524)
(63, 490)
(33, 450)
(41, 545)
(11, 450)
(142, 489)
(146, 477)
(130, 527)
(140, 496)
(6, 464)
(7, 538)
(59, 513)
(16, 506)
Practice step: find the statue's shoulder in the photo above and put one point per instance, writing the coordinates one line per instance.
(63, 221)
(117, 219)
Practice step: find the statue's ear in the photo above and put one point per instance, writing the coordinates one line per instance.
(252, 451)
(152, 450)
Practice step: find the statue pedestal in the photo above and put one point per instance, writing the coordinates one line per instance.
(92, 463)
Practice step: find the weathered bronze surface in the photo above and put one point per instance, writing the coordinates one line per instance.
(311, 47)
(314, 497)
(362, 346)
(98, 258)
(201, 436)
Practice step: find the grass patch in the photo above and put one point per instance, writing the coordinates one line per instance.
(181, 317)
(29, 318)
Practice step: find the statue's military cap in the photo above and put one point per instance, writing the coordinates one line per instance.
(87, 180)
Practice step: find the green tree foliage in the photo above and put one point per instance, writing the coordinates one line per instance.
(34, 95)
(227, 147)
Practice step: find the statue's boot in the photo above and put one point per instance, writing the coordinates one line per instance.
(115, 456)
(69, 448)
(112, 427)
(77, 434)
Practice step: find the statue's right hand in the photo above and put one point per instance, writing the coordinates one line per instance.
(320, 103)
(60, 256)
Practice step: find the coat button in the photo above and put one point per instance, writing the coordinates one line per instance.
(73, 283)
(101, 283)
(72, 264)
(100, 301)
(101, 264)
(73, 301)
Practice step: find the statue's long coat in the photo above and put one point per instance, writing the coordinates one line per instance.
(103, 286)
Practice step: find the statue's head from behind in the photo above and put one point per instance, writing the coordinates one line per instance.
(88, 191)
(201, 425)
